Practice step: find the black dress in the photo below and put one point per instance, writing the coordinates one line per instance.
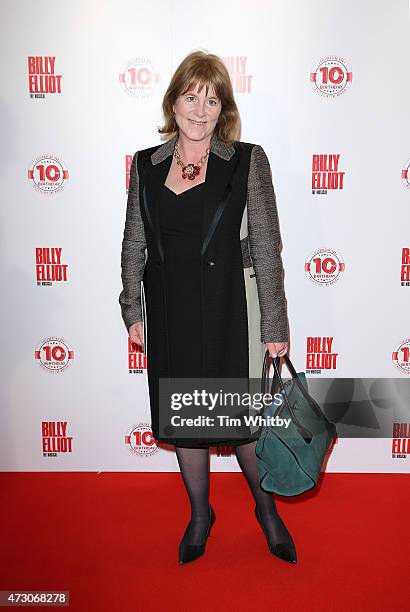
(180, 218)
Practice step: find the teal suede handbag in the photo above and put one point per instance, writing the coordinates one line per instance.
(289, 458)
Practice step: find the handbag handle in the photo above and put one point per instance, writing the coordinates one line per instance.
(303, 431)
(312, 402)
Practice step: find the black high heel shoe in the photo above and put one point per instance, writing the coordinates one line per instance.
(189, 552)
(283, 550)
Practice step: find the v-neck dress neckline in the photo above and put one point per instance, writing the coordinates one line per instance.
(177, 195)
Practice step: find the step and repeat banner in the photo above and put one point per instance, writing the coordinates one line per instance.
(322, 86)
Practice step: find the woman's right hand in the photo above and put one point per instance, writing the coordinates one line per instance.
(136, 333)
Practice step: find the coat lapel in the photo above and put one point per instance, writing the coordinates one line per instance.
(222, 162)
(154, 178)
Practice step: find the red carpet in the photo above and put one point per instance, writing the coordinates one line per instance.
(111, 539)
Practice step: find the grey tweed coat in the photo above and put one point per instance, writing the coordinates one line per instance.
(243, 298)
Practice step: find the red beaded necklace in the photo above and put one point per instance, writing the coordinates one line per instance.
(189, 171)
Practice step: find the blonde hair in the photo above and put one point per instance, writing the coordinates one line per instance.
(201, 68)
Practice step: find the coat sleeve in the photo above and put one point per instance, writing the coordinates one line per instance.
(264, 247)
(132, 253)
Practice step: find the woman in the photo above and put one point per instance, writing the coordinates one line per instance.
(202, 234)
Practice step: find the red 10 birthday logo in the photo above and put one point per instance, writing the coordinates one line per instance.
(140, 440)
(139, 77)
(405, 174)
(324, 267)
(54, 354)
(331, 77)
(48, 175)
(401, 356)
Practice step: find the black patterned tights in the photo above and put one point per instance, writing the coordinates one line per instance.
(194, 466)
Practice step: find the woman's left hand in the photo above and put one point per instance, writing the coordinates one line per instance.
(277, 349)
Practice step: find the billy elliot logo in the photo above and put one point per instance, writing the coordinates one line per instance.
(224, 451)
(331, 77)
(55, 439)
(49, 266)
(326, 175)
(137, 360)
(324, 267)
(405, 174)
(48, 174)
(42, 77)
(320, 354)
(54, 354)
(240, 79)
(140, 440)
(401, 356)
(139, 78)
(401, 440)
(405, 267)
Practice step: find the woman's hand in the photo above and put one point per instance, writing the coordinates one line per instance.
(136, 333)
(277, 349)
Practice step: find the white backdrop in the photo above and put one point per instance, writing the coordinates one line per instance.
(315, 82)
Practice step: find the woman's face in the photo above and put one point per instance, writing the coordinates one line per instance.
(196, 113)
